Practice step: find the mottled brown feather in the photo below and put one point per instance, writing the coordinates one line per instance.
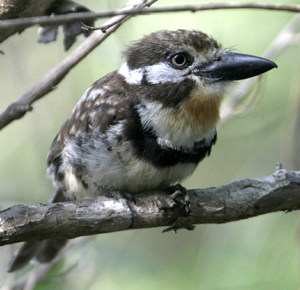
(107, 107)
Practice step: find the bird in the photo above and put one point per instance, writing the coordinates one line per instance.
(145, 126)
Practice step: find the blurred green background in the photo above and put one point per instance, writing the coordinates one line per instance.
(259, 253)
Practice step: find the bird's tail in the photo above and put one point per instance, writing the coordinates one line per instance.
(42, 251)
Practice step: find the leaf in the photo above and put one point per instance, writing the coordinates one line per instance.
(48, 33)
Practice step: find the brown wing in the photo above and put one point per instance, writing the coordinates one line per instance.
(104, 104)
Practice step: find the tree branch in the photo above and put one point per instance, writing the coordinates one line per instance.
(17, 109)
(104, 27)
(238, 200)
(19, 9)
(139, 10)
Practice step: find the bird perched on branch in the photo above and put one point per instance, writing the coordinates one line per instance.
(144, 126)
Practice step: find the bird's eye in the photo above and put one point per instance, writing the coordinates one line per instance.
(179, 60)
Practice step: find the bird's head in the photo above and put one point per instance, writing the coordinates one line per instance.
(183, 74)
(170, 57)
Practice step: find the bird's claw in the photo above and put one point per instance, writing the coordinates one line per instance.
(181, 223)
(180, 197)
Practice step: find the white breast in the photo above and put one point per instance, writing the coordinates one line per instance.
(118, 170)
(174, 128)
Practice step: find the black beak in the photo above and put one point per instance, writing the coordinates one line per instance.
(235, 66)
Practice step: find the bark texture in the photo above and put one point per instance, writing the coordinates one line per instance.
(235, 201)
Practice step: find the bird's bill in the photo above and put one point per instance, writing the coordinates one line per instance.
(235, 66)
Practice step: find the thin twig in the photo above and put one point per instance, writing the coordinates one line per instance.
(104, 27)
(148, 4)
(17, 109)
(58, 19)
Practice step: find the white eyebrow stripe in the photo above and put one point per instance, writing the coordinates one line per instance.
(159, 73)
(162, 73)
(133, 77)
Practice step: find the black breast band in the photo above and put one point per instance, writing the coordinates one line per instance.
(146, 146)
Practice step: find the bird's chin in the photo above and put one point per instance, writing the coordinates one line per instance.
(213, 87)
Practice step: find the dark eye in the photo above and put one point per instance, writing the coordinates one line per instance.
(179, 60)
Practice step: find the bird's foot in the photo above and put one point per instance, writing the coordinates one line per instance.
(181, 223)
(180, 197)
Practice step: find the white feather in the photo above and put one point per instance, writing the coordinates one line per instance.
(131, 76)
(162, 73)
(116, 169)
(171, 132)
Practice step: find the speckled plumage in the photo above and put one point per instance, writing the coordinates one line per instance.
(145, 126)
(112, 139)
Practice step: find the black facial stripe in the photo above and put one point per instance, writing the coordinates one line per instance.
(145, 146)
(169, 94)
